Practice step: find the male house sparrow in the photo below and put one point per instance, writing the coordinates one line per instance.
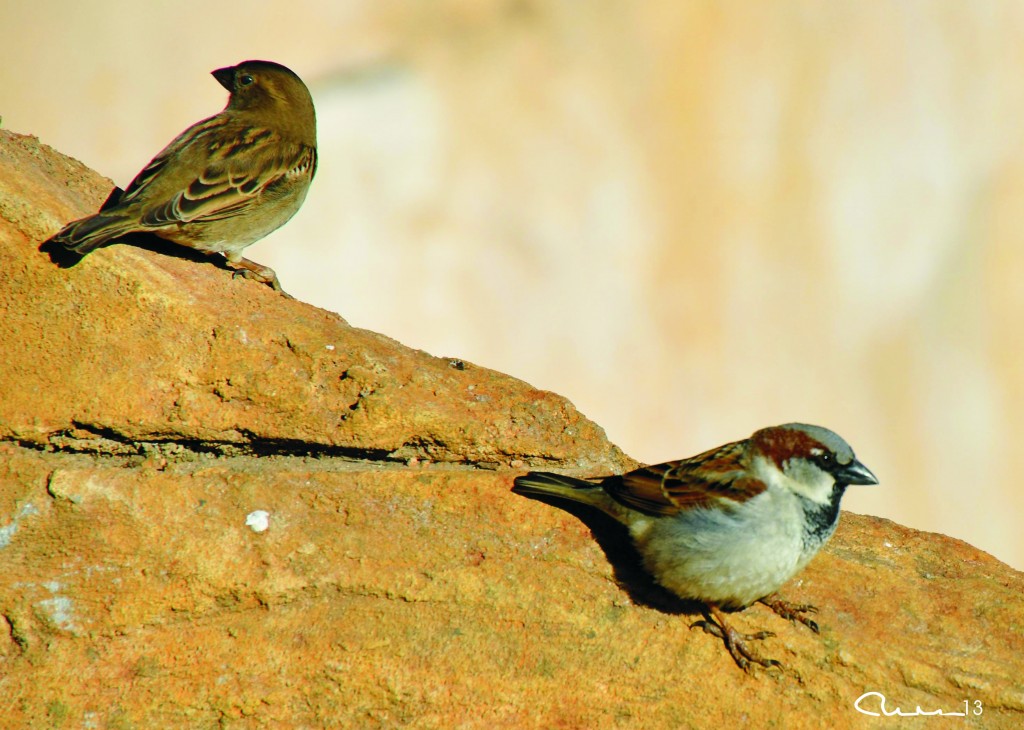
(225, 182)
(728, 527)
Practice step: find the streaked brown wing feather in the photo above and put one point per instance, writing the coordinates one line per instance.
(231, 184)
(703, 480)
(212, 171)
(194, 139)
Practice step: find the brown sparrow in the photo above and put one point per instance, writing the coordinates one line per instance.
(225, 182)
(728, 527)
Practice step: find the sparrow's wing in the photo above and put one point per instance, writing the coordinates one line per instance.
(215, 170)
(705, 480)
(176, 163)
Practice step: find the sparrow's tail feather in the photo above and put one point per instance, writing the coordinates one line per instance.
(547, 484)
(544, 482)
(87, 234)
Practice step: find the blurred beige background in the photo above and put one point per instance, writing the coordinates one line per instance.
(691, 218)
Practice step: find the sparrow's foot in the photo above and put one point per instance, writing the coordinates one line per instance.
(257, 272)
(710, 627)
(735, 642)
(791, 611)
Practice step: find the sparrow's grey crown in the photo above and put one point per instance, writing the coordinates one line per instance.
(847, 469)
(829, 439)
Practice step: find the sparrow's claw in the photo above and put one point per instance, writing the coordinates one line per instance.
(791, 611)
(714, 629)
(735, 642)
(247, 269)
(743, 656)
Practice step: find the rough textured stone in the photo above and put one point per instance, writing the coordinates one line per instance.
(132, 345)
(151, 404)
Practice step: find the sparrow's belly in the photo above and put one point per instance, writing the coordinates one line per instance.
(727, 559)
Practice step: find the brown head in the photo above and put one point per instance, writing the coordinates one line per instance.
(272, 90)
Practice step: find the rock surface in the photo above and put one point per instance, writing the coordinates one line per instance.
(152, 406)
(134, 346)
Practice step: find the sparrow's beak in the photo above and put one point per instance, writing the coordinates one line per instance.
(225, 77)
(854, 473)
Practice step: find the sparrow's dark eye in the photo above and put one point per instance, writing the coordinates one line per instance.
(245, 80)
(826, 461)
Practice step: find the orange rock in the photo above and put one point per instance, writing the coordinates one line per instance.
(151, 405)
(131, 345)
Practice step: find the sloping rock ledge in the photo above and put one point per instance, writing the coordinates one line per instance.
(156, 413)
